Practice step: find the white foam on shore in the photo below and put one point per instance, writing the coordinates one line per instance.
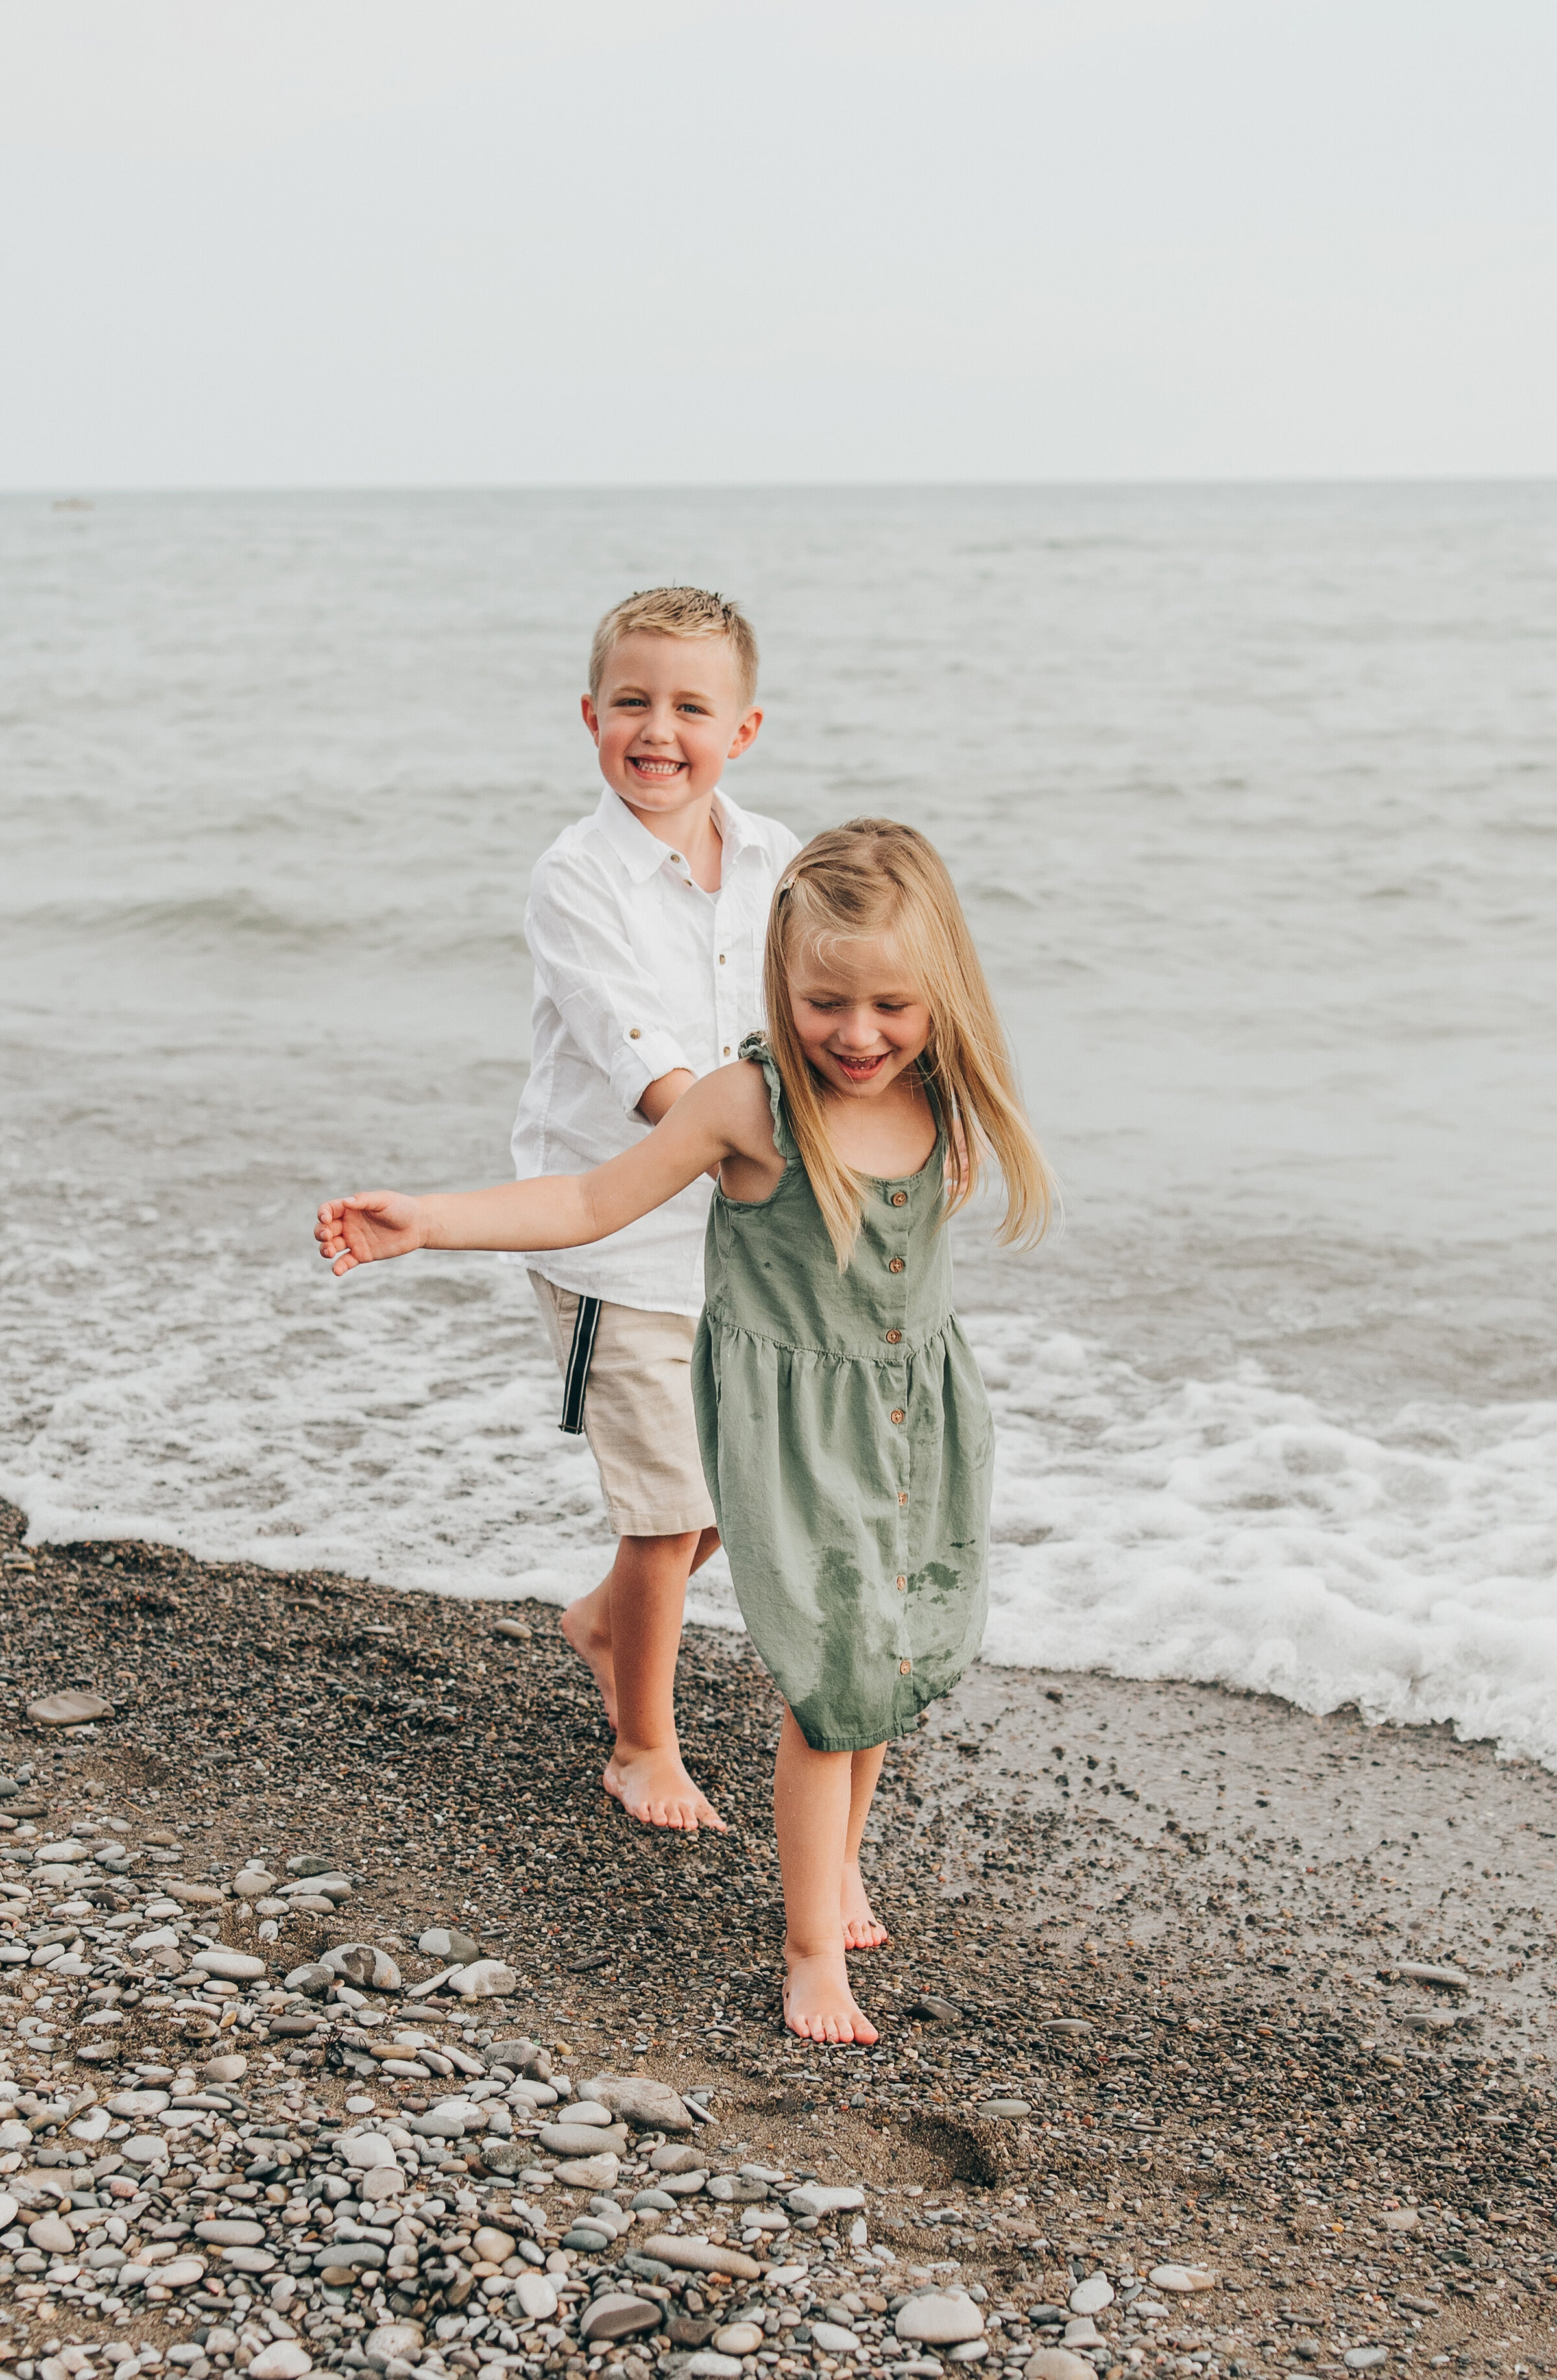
(405, 1429)
(1225, 1530)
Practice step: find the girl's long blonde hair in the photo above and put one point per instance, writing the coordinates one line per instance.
(865, 882)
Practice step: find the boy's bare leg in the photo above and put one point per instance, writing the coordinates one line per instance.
(813, 1793)
(863, 1929)
(629, 1633)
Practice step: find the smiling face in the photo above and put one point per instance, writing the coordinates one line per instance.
(861, 1017)
(670, 712)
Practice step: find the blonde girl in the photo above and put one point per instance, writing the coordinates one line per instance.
(845, 1435)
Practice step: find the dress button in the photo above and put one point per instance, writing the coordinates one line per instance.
(898, 1414)
(900, 1197)
(633, 1033)
(904, 1668)
(727, 1049)
(892, 1338)
(903, 1495)
(897, 1264)
(902, 1583)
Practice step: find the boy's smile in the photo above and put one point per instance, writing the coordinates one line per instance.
(669, 714)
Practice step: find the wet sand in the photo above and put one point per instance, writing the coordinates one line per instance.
(1162, 1921)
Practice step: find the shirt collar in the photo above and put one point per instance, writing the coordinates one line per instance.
(642, 854)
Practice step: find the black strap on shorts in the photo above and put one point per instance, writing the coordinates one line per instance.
(575, 1379)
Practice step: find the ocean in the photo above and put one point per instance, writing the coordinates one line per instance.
(1252, 796)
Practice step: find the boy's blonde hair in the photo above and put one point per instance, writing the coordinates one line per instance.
(678, 612)
(865, 882)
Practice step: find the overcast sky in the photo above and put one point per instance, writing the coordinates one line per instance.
(361, 242)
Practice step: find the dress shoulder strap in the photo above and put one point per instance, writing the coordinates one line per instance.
(755, 1047)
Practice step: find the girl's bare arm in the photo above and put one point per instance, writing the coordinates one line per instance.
(724, 1115)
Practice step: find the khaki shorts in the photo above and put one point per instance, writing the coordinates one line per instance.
(638, 1412)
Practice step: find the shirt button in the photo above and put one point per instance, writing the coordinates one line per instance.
(633, 1033)
(898, 1416)
(727, 1049)
(892, 1338)
(721, 958)
(904, 1668)
(902, 1583)
(900, 1197)
(903, 1495)
(897, 1264)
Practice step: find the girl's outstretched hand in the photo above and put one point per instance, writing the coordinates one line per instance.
(367, 1227)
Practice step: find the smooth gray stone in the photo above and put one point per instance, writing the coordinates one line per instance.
(582, 2140)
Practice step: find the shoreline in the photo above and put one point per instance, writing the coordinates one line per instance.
(1241, 2085)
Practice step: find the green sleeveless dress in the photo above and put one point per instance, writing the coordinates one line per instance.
(848, 1445)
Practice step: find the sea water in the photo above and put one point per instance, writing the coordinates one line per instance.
(1251, 796)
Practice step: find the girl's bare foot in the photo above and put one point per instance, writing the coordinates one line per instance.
(589, 1635)
(863, 1929)
(652, 1785)
(818, 2003)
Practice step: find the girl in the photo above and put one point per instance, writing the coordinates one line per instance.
(845, 1435)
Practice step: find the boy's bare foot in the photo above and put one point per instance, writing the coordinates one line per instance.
(863, 1929)
(818, 2003)
(591, 1638)
(653, 1786)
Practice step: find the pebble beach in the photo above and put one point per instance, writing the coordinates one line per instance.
(347, 2026)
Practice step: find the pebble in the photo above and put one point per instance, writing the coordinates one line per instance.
(737, 2189)
(1092, 2295)
(67, 1711)
(393, 2338)
(367, 2150)
(821, 2198)
(1364, 2359)
(361, 1964)
(744, 2338)
(1063, 2025)
(969, 2350)
(443, 1942)
(288, 2359)
(233, 1966)
(672, 2158)
(226, 2069)
(485, 1979)
(306, 1863)
(253, 1883)
(537, 2295)
(514, 1628)
(996, 2110)
(182, 2273)
(939, 2321)
(1058, 2364)
(702, 2256)
(582, 2140)
(1183, 2278)
(1401, 2218)
(53, 2235)
(223, 2234)
(938, 2010)
(587, 2173)
(1410, 1972)
(1083, 2333)
(615, 2314)
(831, 2336)
(650, 2106)
(708, 2365)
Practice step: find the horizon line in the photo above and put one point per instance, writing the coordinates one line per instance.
(66, 490)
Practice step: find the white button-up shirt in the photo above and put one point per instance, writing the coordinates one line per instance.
(638, 971)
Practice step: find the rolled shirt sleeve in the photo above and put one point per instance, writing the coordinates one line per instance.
(639, 971)
(615, 1011)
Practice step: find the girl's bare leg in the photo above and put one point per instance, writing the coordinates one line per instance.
(813, 1798)
(863, 1929)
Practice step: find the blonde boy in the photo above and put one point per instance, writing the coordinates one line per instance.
(644, 923)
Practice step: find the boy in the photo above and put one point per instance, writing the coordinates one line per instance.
(646, 926)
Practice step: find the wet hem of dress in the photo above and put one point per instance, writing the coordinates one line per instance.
(866, 1742)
